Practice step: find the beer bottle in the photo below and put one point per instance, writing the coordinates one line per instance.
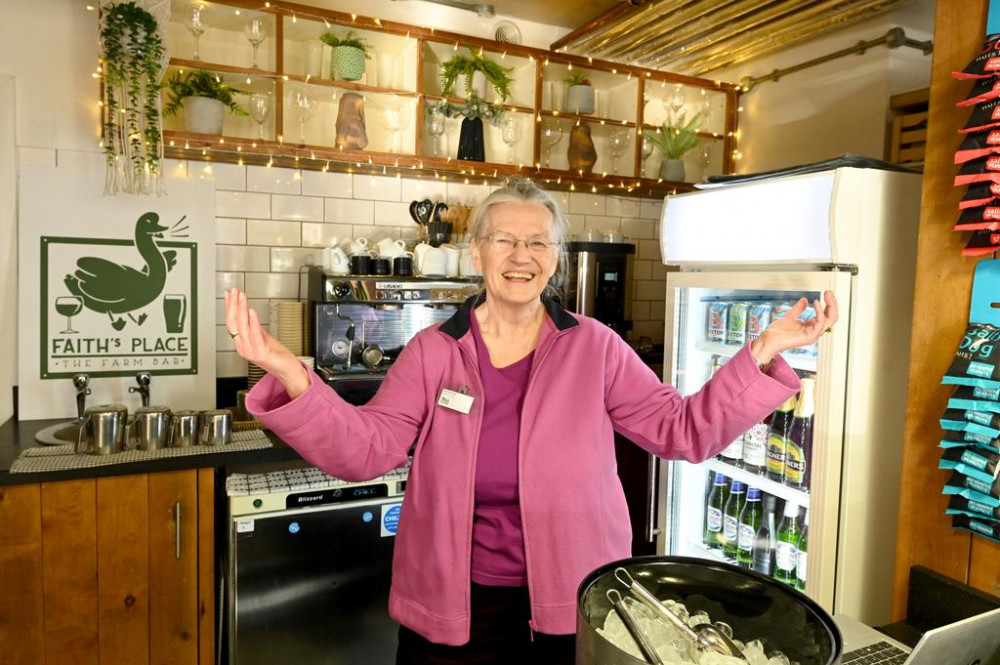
(763, 544)
(716, 504)
(733, 453)
(798, 449)
(731, 519)
(801, 563)
(755, 447)
(750, 520)
(781, 423)
(709, 484)
(787, 545)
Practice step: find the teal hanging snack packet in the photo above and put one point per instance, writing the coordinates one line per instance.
(977, 361)
(983, 528)
(984, 423)
(968, 398)
(961, 439)
(961, 505)
(959, 482)
(975, 463)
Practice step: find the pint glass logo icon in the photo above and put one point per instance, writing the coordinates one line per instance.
(127, 304)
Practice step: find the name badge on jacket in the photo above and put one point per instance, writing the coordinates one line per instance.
(456, 401)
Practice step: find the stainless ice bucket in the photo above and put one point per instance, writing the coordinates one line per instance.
(756, 606)
(103, 430)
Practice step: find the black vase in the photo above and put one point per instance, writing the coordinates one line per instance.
(471, 146)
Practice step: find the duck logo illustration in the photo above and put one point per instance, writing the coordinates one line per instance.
(118, 290)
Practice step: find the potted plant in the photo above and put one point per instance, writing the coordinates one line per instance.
(347, 59)
(204, 97)
(674, 140)
(579, 94)
(471, 74)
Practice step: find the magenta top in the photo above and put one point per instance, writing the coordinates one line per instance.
(497, 538)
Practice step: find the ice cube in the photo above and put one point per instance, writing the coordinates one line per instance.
(778, 658)
(754, 653)
(698, 618)
(713, 658)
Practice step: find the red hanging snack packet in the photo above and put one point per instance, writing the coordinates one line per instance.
(979, 195)
(984, 65)
(984, 117)
(979, 170)
(984, 90)
(987, 217)
(982, 242)
(977, 146)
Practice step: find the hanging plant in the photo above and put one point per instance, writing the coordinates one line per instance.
(132, 56)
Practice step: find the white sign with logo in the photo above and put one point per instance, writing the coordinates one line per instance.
(111, 286)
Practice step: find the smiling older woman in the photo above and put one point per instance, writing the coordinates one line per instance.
(510, 407)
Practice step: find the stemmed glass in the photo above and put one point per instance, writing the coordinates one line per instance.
(69, 306)
(510, 131)
(260, 107)
(618, 142)
(256, 32)
(676, 102)
(551, 135)
(304, 106)
(435, 126)
(196, 28)
(396, 118)
(647, 150)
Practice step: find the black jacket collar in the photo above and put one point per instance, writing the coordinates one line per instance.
(458, 325)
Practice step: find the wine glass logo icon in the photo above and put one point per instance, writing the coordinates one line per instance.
(69, 306)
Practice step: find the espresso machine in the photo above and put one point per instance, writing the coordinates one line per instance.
(599, 282)
(360, 324)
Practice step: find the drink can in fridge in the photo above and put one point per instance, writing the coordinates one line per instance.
(736, 330)
(758, 320)
(718, 321)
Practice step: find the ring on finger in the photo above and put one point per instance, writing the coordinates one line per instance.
(234, 335)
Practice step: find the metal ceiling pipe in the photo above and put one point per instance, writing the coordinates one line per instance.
(779, 34)
(622, 26)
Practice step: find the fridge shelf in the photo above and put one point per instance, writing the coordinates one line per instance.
(798, 497)
(797, 361)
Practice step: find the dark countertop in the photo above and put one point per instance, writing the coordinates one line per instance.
(16, 436)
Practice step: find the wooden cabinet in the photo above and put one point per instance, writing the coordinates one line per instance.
(108, 571)
(402, 80)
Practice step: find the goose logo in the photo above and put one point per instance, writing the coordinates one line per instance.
(114, 306)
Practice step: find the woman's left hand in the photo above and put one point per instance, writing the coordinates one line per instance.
(788, 332)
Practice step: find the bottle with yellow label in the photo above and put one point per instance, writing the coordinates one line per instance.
(781, 423)
(798, 450)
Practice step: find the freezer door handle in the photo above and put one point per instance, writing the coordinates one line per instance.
(651, 531)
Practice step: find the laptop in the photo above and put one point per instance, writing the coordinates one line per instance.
(972, 641)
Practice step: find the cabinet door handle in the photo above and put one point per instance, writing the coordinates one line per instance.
(177, 530)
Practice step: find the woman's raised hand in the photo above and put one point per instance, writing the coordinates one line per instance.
(257, 346)
(788, 332)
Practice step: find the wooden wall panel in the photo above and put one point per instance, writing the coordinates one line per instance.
(941, 306)
(206, 567)
(123, 569)
(69, 563)
(21, 576)
(173, 589)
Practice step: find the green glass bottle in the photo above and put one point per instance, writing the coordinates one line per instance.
(787, 545)
(750, 519)
(781, 423)
(801, 563)
(716, 504)
(731, 519)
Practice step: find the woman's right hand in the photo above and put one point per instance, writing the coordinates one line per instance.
(254, 344)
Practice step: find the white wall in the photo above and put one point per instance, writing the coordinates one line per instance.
(837, 107)
(8, 249)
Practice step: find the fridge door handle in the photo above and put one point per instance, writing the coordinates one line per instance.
(651, 477)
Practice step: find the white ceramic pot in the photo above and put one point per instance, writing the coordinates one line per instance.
(672, 170)
(203, 115)
(580, 99)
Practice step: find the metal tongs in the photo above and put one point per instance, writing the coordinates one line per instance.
(633, 628)
(705, 637)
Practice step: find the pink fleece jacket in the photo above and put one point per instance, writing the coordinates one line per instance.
(586, 382)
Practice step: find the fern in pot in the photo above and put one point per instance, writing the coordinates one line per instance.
(674, 140)
(204, 97)
(348, 55)
(471, 74)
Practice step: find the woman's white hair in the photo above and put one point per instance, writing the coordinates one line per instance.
(523, 190)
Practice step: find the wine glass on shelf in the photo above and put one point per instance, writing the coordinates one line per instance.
(675, 102)
(196, 28)
(435, 127)
(396, 118)
(256, 32)
(69, 306)
(647, 150)
(551, 135)
(510, 132)
(618, 142)
(260, 107)
(304, 106)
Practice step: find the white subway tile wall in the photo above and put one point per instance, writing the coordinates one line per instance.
(272, 223)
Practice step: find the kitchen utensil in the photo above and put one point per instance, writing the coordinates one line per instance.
(705, 636)
(372, 355)
(149, 428)
(361, 264)
(755, 605)
(434, 263)
(184, 429)
(402, 266)
(423, 210)
(103, 430)
(633, 628)
(438, 233)
(381, 267)
(439, 209)
(452, 254)
(390, 249)
(413, 212)
(216, 427)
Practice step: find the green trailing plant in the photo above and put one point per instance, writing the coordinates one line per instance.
(350, 39)
(473, 107)
(576, 78)
(497, 76)
(132, 55)
(201, 83)
(674, 140)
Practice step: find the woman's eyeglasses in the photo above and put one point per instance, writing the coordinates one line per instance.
(506, 243)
